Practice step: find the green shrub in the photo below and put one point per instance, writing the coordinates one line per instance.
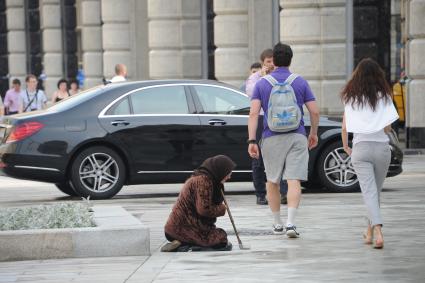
(61, 215)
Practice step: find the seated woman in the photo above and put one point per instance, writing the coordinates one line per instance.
(191, 224)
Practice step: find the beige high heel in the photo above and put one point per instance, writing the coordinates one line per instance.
(379, 238)
(368, 235)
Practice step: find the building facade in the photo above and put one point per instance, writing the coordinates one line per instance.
(215, 39)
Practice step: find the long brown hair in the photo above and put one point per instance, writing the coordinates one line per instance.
(366, 86)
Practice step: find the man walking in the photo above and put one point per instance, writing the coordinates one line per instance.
(32, 99)
(12, 100)
(257, 165)
(285, 154)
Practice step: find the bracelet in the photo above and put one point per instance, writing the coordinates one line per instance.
(251, 141)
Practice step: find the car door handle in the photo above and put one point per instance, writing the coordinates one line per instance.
(213, 122)
(120, 122)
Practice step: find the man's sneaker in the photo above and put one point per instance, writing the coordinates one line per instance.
(291, 232)
(262, 200)
(278, 229)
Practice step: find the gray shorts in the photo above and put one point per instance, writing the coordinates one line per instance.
(285, 157)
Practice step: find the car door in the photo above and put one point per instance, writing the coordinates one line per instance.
(223, 113)
(156, 126)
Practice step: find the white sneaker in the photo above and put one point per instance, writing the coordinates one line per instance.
(278, 229)
(291, 232)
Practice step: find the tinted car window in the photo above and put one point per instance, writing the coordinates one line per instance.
(217, 100)
(120, 108)
(76, 99)
(160, 100)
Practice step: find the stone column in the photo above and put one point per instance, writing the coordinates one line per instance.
(415, 67)
(231, 28)
(16, 42)
(259, 29)
(316, 32)
(174, 39)
(116, 36)
(91, 40)
(52, 43)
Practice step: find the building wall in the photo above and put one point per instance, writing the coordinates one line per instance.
(16, 41)
(316, 32)
(414, 34)
(174, 39)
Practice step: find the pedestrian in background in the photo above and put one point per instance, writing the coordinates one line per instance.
(62, 91)
(120, 73)
(74, 87)
(200, 202)
(285, 154)
(258, 172)
(368, 114)
(32, 98)
(255, 67)
(12, 99)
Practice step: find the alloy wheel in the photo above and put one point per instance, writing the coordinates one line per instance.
(99, 172)
(339, 169)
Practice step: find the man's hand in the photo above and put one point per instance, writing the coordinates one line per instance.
(253, 150)
(312, 141)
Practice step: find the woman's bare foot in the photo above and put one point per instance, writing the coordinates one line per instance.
(368, 235)
(379, 238)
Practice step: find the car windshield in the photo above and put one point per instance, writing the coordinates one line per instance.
(76, 99)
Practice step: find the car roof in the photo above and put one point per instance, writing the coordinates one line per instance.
(139, 84)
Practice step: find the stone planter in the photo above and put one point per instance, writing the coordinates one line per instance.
(118, 233)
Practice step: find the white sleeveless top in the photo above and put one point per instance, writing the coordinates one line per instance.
(368, 125)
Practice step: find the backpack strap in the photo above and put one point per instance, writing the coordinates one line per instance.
(291, 78)
(271, 80)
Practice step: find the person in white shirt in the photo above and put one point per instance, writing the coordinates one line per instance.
(120, 73)
(368, 114)
(32, 99)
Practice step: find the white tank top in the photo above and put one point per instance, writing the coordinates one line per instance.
(379, 136)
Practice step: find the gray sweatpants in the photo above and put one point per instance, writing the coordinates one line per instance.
(371, 161)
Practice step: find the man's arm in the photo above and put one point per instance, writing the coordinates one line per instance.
(254, 112)
(314, 120)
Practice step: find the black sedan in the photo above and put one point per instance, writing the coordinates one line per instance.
(143, 132)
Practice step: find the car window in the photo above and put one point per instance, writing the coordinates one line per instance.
(160, 100)
(217, 100)
(76, 99)
(121, 108)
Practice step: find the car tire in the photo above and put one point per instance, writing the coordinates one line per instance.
(98, 172)
(66, 188)
(335, 171)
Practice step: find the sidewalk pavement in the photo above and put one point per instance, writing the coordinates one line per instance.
(330, 248)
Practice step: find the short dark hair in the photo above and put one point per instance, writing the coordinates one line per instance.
(282, 55)
(267, 53)
(61, 81)
(255, 65)
(30, 76)
(74, 81)
(16, 82)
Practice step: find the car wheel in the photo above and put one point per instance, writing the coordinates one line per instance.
(66, 188)
(335, 170)
(98, 172)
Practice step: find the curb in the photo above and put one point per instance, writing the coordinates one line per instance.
(118, 233)
(414, 151)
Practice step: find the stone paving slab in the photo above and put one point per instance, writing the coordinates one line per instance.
(330, 248)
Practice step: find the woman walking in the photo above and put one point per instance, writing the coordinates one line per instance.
(368, 114)
(192, 220)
